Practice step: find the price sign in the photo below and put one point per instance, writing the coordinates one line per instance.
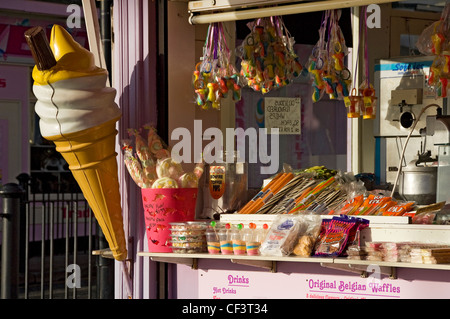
(282, 113)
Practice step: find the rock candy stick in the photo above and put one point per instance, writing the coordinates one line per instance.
(198, 169)
(143, 152)
(133, 166)
(155, 144)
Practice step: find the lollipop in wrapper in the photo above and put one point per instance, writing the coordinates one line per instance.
(169, 168)
(133, 166)
(165, 182)
(143, 152)
(155, 168)
(156, 146)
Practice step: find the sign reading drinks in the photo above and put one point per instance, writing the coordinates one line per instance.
(283, 113)
(258, 285)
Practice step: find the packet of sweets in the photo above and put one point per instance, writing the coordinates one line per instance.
(371, 204)
(377, 203)
(399, 209)
(323, 230)
(385, 207)
(280, 239)
(355, 234)
(352, 205)
(336, 237)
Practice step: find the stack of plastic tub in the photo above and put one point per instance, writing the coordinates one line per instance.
(188, 237)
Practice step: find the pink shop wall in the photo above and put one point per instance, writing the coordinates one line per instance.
(14, 121)
(223, 280)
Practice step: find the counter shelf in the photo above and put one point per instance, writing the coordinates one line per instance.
(381, 228)
(270, 262)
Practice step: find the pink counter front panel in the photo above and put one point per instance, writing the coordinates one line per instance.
(308, 281)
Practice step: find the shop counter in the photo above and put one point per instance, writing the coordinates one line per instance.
(269, 262)
(205, 275)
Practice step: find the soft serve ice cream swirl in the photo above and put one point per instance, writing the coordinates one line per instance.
(72, 95)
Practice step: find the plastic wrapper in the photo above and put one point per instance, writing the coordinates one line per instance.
(356, 252)
(434, 41)
(156, 145)
(325, 65)
(399, 209)
(165, 182)
(309, 197)
(153, 166)
(281, 237)
(169, 168)
(215, 77)
(133, 165)
(340, 232)
(308, 234)
(424, 218)
(371, 204)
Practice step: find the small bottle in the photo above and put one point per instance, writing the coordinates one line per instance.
(262, 233)
(212, 239)
(226, 245)
(252, 241)
(238, 242)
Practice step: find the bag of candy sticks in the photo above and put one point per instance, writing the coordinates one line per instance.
(268, 60)
(214, 77)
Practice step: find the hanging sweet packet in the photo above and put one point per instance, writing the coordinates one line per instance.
(268, 60)
(434, 40)
(326, 64)
(317, 63)
(214, 77)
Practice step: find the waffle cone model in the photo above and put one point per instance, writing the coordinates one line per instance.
(78, 113)
(92, 160)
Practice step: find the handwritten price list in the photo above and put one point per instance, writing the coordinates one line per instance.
(282, 113)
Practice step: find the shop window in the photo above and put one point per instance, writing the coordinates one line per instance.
(323, 136)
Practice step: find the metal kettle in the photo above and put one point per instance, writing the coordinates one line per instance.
(418, 180)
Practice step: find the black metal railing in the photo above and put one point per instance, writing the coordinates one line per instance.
(47, 244)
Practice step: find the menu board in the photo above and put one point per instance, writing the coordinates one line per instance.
(282, 113)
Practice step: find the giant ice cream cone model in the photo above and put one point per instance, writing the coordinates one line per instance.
(78, 113)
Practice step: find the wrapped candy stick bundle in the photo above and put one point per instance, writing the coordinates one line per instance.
(434, 41)
(325, 65)
(152, 166)
(215, 77)
(268, 57)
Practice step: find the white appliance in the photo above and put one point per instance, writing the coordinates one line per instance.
(402, 91)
